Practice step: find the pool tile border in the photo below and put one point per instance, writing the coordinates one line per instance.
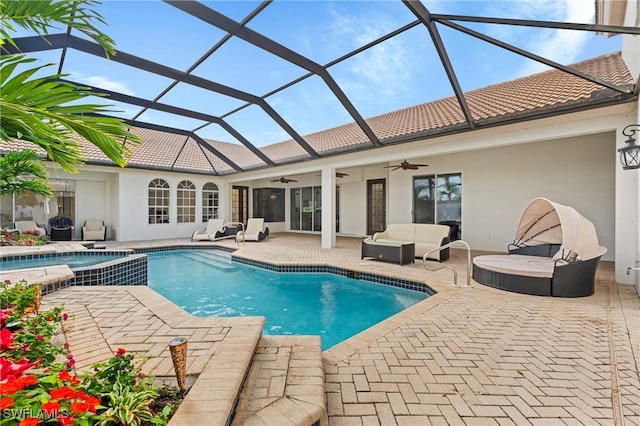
(288, 268)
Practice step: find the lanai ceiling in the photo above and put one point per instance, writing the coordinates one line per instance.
(238, 98)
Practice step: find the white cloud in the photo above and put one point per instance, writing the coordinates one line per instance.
(563, 46)
(105, 83)
(379, 75)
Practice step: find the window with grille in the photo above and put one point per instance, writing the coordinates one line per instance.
(186, 200)
(159, 201)
(209, 201)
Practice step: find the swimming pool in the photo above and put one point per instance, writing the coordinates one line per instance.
(73, 260)
(208, 283)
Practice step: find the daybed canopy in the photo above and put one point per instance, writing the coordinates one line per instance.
(546, 222)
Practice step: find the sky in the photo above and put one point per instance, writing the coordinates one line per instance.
(398, 73)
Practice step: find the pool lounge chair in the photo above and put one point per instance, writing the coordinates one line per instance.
(255, 231)
(29, 225)
(215, 229)
(555, 253)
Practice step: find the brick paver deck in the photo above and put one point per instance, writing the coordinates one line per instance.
(470, 356)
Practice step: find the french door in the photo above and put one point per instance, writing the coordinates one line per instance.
(376, 206)
(240, 204)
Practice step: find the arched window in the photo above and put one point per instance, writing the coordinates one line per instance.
(186, 202)
(159, 197)
(209, 201)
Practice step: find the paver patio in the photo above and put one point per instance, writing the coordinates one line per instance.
(464, 356)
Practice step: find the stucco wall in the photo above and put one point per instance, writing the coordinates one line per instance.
(133, 221)
(498, 183)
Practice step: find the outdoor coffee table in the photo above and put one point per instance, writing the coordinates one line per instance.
(399, 252)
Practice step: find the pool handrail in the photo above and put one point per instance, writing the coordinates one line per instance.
(435, 267)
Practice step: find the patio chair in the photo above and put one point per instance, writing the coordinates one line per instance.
(94, 230)
(215, 229)
(29, 225)
(255, 231)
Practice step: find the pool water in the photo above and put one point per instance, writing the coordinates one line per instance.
(72, 260)
(208, 283)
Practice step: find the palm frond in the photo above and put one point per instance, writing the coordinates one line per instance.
(22, 171)
(46, 112)
(42, 16)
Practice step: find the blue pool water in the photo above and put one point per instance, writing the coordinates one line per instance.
(207, 283)
(71, 259)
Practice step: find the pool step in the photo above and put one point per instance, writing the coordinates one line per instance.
(212, 258)
(285, 383)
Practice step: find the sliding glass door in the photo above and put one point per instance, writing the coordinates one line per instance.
(438, 199)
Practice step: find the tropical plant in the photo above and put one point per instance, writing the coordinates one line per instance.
(129, 407)
(22, 171)
(47, 111)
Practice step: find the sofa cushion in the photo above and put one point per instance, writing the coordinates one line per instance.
(401, 231)
(430, 232)
(423, 247)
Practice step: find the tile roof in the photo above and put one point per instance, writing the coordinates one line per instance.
(545, 92)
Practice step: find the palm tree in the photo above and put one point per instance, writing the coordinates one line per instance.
(46, 111)
(22, 171)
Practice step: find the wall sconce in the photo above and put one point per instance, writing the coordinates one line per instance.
(630, 153)
(273, 197)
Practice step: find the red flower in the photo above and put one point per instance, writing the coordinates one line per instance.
(66, 377)
(6, 339)
(64, 392)
(79, 407)
(4, 315)
(27, 381)
(29, 421)
(65, 316)
(40, 337)
(120, 352)
(65, 419)
(51, 407)
(14, 369)
(6, 403)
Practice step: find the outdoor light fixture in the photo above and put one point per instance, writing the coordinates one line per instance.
(273, 197)
(630, 153)
(178, 349)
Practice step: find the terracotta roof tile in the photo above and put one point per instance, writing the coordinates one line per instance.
(544, 91)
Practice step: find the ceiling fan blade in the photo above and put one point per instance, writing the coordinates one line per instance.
(412, 167)
(396, 167)
(291, 180)
(340, 174)
(420, 165)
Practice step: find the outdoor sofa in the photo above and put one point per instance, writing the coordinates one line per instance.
(425, 236)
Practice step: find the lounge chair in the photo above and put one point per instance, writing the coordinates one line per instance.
(29, 225)
(255, 231)
(215, 229)
(555, 253)
(94, 230)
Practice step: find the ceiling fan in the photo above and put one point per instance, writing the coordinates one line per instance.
(283, 180)
(339, 174)
(405, 165)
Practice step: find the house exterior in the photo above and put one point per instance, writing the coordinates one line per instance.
(548, 135)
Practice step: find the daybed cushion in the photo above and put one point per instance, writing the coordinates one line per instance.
(516, 264)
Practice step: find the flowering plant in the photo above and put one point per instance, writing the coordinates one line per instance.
(60, 221)
(14, 238)
(36, 381)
